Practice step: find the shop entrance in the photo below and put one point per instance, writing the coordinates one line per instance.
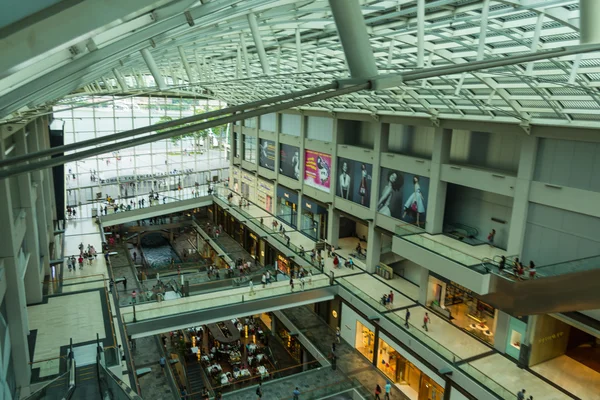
(407, 376)
(365, 340)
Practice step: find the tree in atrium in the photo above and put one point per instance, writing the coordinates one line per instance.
(214, 136)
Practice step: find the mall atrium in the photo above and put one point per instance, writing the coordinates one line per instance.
(300, 199)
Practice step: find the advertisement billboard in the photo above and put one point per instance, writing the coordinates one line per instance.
(317, 170)
(354, 181)
(266, 158)
(403, 196)
(289, 161)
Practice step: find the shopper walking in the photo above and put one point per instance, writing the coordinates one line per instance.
(124, 283)
(163, 362)
(296, 393)
(263, 280)
(406, 318)
(338, 335)
(388, 390)
(377, 392)
(259, 392)
(292, 284)
(391, 298)
(426, 321)
(521, 395)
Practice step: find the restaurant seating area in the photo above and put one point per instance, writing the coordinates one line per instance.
(226, 356)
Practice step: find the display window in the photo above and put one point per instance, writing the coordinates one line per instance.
(365, 340)
(405, 375)
(463, 308)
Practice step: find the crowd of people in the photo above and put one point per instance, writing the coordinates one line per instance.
(88, 255)
(518, 269)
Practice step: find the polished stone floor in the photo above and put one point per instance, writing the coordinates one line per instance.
(504, 371)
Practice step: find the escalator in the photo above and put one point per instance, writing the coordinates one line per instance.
(557, 288)
(87, 383)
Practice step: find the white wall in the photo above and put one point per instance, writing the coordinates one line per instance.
(290, 124)
(411, 140)
(497, 151)
(411, 271)
(362, 230)
(320, 128)
(554, 235)
(456, 395)
(250, 122)
(476, 208)
(348, 324)
(426, 370)
(267, 122)
(568, 163)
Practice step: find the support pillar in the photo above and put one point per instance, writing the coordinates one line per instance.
(158, 78)
(333, 226)
(15, 299)
(423, 286)
(373, 248)
(186, 64)
(437, 187)
(27, 196)
(260, 48)
(518, 219)
(119, 79)
(501, 327)
(352, 31)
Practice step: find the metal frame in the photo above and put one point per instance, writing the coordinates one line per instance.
(402, 36)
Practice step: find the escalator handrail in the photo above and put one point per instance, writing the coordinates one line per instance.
(42, 390)
(72, 379)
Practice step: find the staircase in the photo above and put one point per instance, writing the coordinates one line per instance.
(195, 377)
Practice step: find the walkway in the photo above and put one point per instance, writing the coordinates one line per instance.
(455, 341)
(349, 360)
(80, 312)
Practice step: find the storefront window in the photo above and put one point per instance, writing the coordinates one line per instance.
(249, 148)
(365, 340)
(407, 377)
(470, 313)
(462, 307)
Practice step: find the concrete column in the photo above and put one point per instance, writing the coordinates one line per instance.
(352, 31)
(373, 248)
(437, 188)
(333, 226)
(380, 136)
(158, 78)
(502, 325)
(423, 286)
(299, 210)
(28, 197)
(16, 308)
(518, 219)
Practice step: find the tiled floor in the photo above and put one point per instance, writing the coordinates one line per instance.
(370, 285)
(566, 372)
(504, 371)
(513, 378)
(76, 316)
(215, 299)
(480, 251)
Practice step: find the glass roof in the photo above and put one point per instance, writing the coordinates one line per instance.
(303, 50)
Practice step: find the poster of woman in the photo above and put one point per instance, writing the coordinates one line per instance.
(289, 161)
(317, 170)
(403, 196)
(354, 181)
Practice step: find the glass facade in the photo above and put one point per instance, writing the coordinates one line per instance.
(365, 340)
(249, 148)
(409, 379)
(169, 164)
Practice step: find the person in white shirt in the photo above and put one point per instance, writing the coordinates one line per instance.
(263, 280)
